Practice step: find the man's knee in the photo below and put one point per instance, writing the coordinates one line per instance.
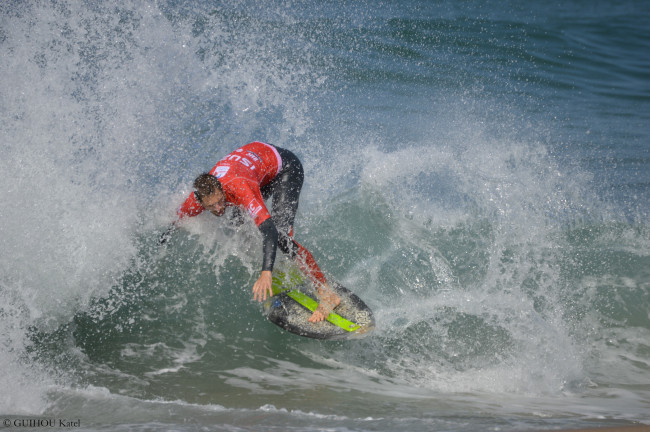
(286, 245)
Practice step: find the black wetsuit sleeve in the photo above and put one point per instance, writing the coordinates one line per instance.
(269, 243)
(236, 217)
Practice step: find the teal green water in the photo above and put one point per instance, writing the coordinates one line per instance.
(477, 173)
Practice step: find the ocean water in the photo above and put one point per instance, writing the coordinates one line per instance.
(478, 172)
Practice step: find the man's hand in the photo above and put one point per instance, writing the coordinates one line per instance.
(165, 236)
(328, 302)
(262, 286)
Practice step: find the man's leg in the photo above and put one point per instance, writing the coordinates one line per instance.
(285, 189)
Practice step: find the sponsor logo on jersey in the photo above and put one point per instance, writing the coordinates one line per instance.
(242, 160)
(254, 208)
(253, 156)
(221, 171)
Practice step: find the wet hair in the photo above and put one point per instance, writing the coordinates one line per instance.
(205, 185)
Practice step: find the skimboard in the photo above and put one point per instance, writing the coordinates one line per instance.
(294, 300)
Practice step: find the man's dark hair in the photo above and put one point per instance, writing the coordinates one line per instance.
(205, 185)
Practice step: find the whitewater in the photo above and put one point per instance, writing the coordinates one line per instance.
(477, 173)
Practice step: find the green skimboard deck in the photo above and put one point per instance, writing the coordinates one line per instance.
(294, 300)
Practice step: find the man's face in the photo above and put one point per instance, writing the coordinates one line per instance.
(216, 203)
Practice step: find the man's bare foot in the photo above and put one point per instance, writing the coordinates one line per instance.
(329, 301)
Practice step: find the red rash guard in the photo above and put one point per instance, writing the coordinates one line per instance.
(242, 173)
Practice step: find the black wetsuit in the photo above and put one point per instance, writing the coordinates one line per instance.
(284, 190)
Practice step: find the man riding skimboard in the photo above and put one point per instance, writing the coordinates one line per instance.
(243, 179)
